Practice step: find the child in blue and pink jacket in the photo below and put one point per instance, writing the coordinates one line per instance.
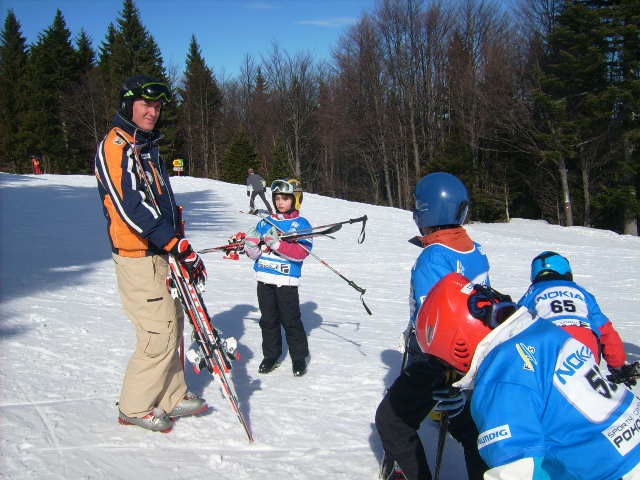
(278, 267)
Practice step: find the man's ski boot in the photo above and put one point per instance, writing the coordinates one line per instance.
(157, 420)
(191, 404)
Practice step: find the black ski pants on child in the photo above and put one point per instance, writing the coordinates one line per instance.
(405, 405)
(280, 307)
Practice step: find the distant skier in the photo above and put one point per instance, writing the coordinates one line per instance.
(540, 401)
(442, 202)
(554, 296)
(256, 186)
(37, 168)
(278, 267)
(143, 227)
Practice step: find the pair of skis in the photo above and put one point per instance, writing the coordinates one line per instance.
(212, 352)
(319, 231)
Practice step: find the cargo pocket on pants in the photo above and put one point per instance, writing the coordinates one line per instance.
(157, 343)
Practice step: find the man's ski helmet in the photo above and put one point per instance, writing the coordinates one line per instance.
(141, 86)
(456, 316)
(288, 186)
(549, 265)
(441, 199)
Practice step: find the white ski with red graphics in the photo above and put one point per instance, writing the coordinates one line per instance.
(326, 230)
(289, 237)
(209, 349)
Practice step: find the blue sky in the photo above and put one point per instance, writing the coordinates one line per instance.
(225, 29)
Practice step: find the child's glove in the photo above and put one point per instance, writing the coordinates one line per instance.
(450, 400)
(252, 238)
(252, 244)
(272, 239)
(627, 374)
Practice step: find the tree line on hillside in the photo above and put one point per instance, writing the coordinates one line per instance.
(536, 109)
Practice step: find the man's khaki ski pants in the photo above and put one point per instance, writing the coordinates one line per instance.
(154, 376)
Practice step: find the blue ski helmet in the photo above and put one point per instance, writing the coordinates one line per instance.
(441, 199)
(550, 263)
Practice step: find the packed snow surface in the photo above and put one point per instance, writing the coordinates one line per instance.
(65, 341)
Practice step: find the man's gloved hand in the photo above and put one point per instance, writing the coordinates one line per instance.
(450, 400)
(248, 194)
(190, 262)
(272, 238)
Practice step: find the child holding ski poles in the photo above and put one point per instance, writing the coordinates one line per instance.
(278, 267)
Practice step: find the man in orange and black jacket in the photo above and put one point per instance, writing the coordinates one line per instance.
(144, 228)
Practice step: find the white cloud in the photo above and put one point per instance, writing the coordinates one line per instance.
(329, 22)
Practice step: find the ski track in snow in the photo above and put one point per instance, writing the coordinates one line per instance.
(65, 340)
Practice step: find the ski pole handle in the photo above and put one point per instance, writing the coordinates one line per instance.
(228, 246)
(362, 219)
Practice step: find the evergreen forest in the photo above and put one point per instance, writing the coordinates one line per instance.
(536, 108)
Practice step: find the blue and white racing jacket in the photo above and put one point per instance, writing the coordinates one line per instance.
(438, 260)
(275, 269)
(545, 411)
(565, 303)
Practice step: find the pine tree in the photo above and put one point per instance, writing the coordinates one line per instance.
(85, 54)
(572, 103)
(201, 100)
(134, 51)
(83, 108)
(280, 164)
(619, 200)
(129, 49)
(259, 119)
(52, 71)
(13, 60)
(238, 158)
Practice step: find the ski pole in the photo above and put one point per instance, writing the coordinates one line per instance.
(361, 236)
(351, 283)
(293, 237)
(442, 437)
(228, 246)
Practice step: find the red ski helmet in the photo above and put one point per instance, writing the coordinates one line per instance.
(456, 316)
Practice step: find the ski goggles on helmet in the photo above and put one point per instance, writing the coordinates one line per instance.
(150, 91)
(490, 306)
(285, 186)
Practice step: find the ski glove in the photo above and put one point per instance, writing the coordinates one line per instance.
(272, 238)
(190, 262)
(626, 374)
(252, 244)
(450, 400)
